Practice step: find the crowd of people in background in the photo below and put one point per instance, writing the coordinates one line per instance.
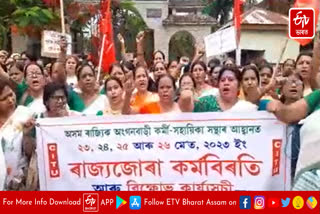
(69, 86)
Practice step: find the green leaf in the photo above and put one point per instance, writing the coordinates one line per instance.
(24, 22)
(47, 13)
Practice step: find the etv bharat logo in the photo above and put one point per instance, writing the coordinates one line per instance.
(90, 202)
(302, 23)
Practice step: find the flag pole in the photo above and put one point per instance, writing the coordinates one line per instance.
(281, 56)
(63, 29)
(101, 57)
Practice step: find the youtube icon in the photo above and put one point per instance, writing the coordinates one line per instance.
(273, 202)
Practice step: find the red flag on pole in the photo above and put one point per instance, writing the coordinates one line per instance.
(237, 18)
(105, 24)
(308, 4)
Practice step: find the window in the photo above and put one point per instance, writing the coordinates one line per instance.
(154, 13)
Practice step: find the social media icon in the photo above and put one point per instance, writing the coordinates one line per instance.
(298, 202)
(245, 202)
(273, 202)
(312, 202)
(120, 202)
(135, 202)
(286, 202)
(259, 202)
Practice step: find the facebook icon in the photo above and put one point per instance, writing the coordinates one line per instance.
(245, 202)
(135, 202)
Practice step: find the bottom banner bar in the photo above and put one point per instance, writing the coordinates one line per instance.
(169, 202)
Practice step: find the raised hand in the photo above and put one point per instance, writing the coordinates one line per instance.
(63, 44)
(120, 38)
(140, 37)
(129, 84)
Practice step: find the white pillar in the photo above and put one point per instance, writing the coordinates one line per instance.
(238, 56)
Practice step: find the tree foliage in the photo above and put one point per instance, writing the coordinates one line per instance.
(219, 9)
(127, 21)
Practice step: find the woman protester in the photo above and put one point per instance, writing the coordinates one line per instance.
(288, 67)
(213, 75)
(71, 65)
(55, 97)
(199, 73)
(14, 124)
(116, 70)
(166, 104)
(266, 74)
(142, 96)
(31, 96)
(16, 73)
(307, 175)
(114, 91)
(304, 68)
(229, 85)
(89, 101)
(292, 91)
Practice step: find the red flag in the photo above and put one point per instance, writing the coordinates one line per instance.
(237, 18)
(307, 4)
(105, 24)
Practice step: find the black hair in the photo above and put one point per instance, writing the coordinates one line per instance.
(81, 67)
(50, 89)
(267, 66)
(304, 53)
(18, 65)
(170, 77)
(250, 67)
(294, 62)
(4, 83)
(128, 65)
(32, 63)
(201, 63)
(135, 71)
(158, 51)
(172, 62)
(229, 58)
(234, 70)
(112, 78)
(214, 62)
(214, 67)
(282, 98)
(187, 75)
(51, 67)
(115, 65)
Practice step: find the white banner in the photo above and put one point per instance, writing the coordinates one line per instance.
(204, 151)
(220, 42)
(50, 44)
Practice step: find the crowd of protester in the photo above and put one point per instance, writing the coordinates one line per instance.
(69, 87)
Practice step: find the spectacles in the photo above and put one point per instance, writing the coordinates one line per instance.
(294, 81)
(34, 74)
(58, 98)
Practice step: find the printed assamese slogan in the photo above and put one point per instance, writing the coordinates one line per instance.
(183, 152)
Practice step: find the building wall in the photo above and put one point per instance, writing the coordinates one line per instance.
(19, 43)
(163, 34)
(155, 23)
(271, 42)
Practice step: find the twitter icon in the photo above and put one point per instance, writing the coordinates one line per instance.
(286, 202)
